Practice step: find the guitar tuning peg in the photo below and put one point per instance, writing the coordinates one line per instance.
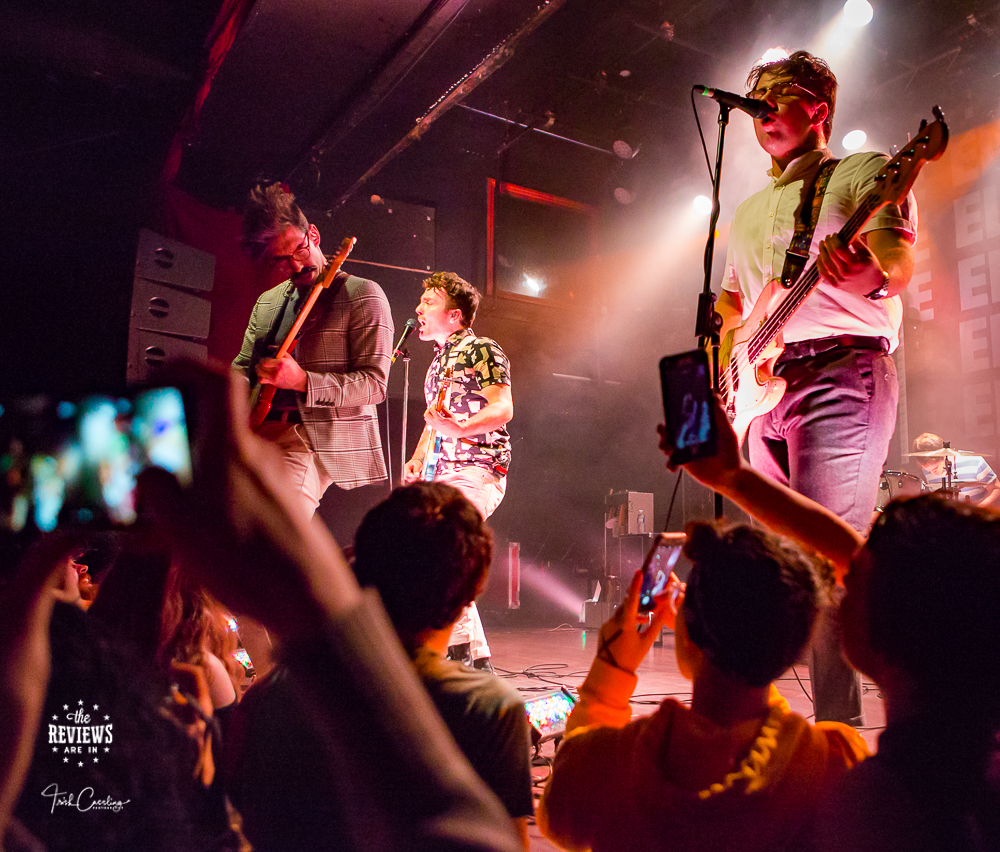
(923, 124)
(938, 113)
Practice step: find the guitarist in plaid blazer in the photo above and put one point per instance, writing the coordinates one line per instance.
(323, 415)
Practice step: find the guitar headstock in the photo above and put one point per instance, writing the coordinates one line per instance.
(333, 267)
(898, 175)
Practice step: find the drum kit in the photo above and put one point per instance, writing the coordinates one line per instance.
(896, 483)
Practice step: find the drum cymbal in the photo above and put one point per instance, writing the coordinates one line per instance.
(943, 453)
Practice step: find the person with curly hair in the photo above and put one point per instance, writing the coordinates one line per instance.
(466, 432)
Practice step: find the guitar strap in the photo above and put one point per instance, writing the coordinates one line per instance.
(797, 254)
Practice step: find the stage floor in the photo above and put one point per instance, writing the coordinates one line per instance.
(539, 659)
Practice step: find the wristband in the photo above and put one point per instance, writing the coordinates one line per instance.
(882, 291)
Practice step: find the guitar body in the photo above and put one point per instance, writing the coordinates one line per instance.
(260, 404)
(433, 455)
(263, 395)
(431, 459)
(752, 389)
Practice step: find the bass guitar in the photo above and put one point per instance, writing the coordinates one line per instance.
(433, 454)
(263, 395)
(748, 353)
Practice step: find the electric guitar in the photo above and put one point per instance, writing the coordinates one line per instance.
(433, 453)
(748, 353)
(263, 395)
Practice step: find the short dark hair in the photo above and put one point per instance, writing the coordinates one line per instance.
(269, 210)
(933, 599)
(810, 72)
(751, 600)
(459, 292)
(427, 551)
(927, 441)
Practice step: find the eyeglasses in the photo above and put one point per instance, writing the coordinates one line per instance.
(784, 90)
(300, 254)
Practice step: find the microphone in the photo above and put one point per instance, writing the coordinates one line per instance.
(411, 324)
(758, 109)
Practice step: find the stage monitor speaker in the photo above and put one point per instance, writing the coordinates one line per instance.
(163, 309)
(148, 351)
(628, 513)
(168, 261)
(171, 308)
(595, 613)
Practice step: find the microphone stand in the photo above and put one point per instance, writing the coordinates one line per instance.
(707, 323)
(405, 355)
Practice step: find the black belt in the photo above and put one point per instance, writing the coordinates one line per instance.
(809, 348)
(283, 415)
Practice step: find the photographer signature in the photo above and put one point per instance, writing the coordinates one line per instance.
(82, 801)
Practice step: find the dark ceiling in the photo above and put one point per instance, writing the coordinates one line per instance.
(324, 93)
(320, 91)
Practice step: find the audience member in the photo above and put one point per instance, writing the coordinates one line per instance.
(28, 597)
(129, 786)
(736, 770)
(921, 616)
(426, 550)
(399, 780)
(152, 604)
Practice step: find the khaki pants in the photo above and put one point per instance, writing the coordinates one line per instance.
(308, 477)
(484, 490)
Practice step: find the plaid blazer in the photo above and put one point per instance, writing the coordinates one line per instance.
(344, 347)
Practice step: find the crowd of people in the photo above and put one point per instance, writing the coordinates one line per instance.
(364, 736)
(132, 717)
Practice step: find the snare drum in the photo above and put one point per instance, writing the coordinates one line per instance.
(896, 483)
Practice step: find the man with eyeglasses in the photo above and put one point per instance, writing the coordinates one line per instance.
(829, 435)
(323, 416)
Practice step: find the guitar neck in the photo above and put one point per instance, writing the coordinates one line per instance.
(808, 280)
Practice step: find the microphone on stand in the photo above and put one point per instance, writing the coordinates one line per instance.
(411, 324)
(758, 109)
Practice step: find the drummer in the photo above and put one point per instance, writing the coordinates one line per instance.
(971, 475)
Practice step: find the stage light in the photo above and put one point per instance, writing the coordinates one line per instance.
(532, 284)
(626, 146)
(858, 13)
(854, 140)
(703, 205)
(772, 54)
(624, 196)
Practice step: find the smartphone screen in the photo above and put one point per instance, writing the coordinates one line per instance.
(660, 561)
(71, 462)
(547, 714)
(687, 404)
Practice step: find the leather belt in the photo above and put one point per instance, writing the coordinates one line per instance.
(809, 348)
(283, 415)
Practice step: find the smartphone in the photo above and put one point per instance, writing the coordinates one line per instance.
(687, 404)
(75, 461)
(660, 561)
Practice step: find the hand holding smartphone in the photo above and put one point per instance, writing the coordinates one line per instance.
(658, 572)
(688, 406)
(75, 462)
